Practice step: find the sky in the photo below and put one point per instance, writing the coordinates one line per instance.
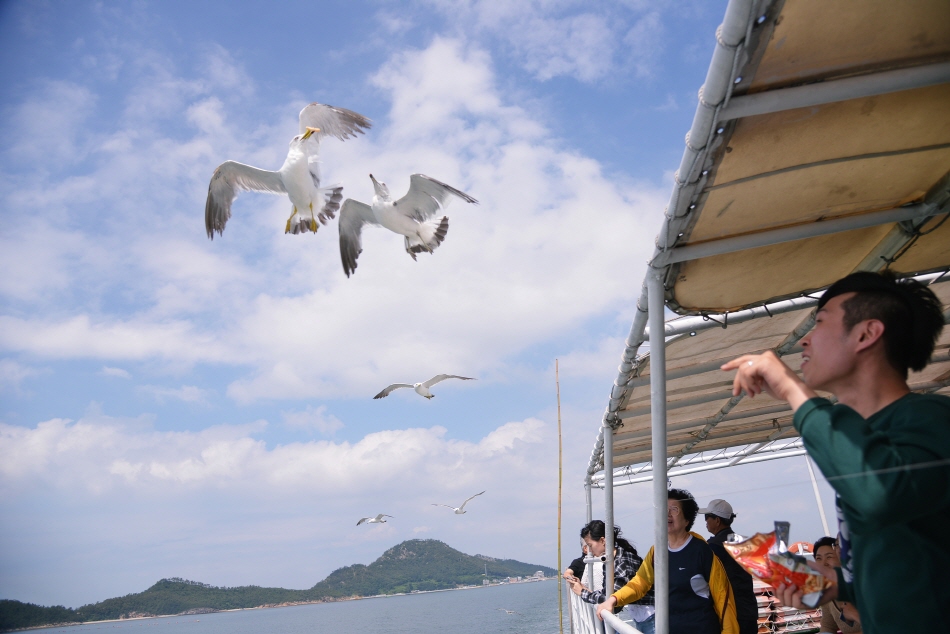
(173, 406)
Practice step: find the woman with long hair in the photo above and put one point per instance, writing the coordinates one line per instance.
(626, 564)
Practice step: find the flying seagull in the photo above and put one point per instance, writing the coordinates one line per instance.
(507, 611)
(460, 510)
(374, 520)
(422, 389)
(412, 216)
(299, 177)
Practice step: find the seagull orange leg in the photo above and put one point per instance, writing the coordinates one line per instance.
(287, 230)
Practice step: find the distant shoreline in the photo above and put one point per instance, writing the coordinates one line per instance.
(289, 604)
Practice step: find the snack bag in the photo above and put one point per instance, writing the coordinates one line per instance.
(766, 557)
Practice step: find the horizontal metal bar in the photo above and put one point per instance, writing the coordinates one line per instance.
(690, 325)
(835, 90)
(621, 627)
(680, 472)
(797, 232)
(727, 453)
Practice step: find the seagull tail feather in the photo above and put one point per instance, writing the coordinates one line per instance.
(431, 235)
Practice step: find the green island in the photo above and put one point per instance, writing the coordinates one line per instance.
(416, 565)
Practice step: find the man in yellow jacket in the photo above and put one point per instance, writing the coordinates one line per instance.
(700, 598)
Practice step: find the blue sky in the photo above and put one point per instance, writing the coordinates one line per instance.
(173, 406)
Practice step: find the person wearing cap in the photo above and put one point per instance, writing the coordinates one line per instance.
(884, 450)
(719, 516)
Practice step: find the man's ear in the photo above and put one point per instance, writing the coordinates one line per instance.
(868, 332)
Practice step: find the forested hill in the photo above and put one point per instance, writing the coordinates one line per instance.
(412, 565)
(420, 564)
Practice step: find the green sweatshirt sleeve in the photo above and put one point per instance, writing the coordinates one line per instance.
(880, 470)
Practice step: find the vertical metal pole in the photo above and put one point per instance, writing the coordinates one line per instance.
(590, 507)
(661, 553)
(560, 483)
(609, 511)
(814, 485)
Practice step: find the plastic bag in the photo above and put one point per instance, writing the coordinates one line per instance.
(766, 556)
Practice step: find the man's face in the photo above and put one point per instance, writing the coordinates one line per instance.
(827, 556)
(829, 348)
(713, 523)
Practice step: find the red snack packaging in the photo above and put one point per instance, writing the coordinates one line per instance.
(768, 559)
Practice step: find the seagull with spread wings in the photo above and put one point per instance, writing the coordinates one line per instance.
(460, 510)
(299, 177)
(422, 389)
(413, 216)
(374, 520)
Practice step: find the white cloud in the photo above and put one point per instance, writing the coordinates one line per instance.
(100, 453)
(644, 42)
(564, 38)
(12, 374)
(115, 372)
(185, 393)
(313, 419)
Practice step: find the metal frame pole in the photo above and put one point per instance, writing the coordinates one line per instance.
(609, 512)
(590, 504)
(661, 553)
(814, 486)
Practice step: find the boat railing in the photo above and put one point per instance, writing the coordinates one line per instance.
(620, 627)
(584, 619)
(773, 617)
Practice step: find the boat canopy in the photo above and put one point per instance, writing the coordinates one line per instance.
(820, 146)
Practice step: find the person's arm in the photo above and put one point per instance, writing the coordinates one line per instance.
(634, 589)
(639, 584)
(723, 599)
(872, 471)
(757, 373)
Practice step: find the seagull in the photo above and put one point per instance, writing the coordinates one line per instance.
(507, 611)
(460, 510)
(412, 216)
(299, 177)
(422, 389)
(374, 520)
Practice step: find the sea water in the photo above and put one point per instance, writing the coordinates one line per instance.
(470, 611)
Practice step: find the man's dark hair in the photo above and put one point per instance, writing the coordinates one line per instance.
(824, 541)
(726, 521)
(911, 313)
(687, 503)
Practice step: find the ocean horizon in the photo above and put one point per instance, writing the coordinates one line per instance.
(475, 610)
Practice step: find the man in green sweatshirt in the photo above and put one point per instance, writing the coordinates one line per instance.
(885, 450)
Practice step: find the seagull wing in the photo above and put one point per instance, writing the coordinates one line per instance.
(230, 178)
(352, 218)
(365, 519)
(330, 121)
(427, 196)
(446, 506)
(382, 515)
(336, 122)
(441, 377)
(394, 386)
(469, 500)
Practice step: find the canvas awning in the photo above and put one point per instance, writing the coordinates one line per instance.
(821, 146)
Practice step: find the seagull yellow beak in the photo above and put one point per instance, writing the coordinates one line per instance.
(310, 131)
